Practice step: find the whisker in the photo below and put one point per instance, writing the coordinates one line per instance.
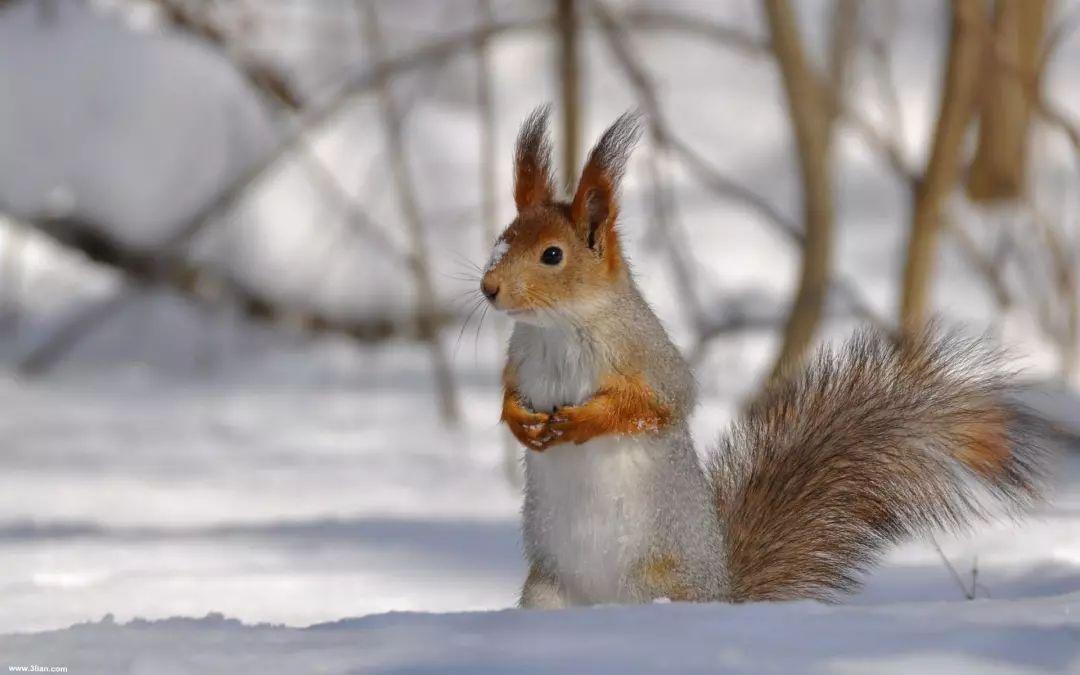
(476, 338)
(457, 343)
(461, 276)
(469, 264)
(463, 298)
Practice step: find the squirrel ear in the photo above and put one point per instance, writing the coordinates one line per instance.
(532, 162)
(595, 206)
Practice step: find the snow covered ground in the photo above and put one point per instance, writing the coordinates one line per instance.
(273, 501)
(1028, 636)
(178, 465)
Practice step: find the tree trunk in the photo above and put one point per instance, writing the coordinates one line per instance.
(957, 102)
(811, 119)
(1000, 163)
(566, 21)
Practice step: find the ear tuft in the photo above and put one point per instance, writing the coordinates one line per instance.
(533, 183)
(613, 150)
(595, 206)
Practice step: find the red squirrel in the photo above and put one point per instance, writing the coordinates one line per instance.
(864, 446)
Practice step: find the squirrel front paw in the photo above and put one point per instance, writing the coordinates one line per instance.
(529, 427)
(604, 415)
(573, 424)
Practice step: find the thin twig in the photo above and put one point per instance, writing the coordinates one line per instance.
(12, 265)
(658, 19)
(276, 91)
(728, 188)
(881, 56)
(731, 38)
(968, 594)
(987, 267)
(485, 103)
(315, 117)
(63, 339)
(427, 303)
(266, 78)
(1063, 271)
(662, 200)
(196, 280)
(710, 176)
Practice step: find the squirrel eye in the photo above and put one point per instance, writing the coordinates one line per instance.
(552, 255)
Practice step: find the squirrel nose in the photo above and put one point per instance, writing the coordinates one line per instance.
(490, 289)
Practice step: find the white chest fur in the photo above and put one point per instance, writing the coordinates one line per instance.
(590, 513)
(588, 507)
(553, 368)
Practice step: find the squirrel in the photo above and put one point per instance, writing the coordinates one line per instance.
(864, 446)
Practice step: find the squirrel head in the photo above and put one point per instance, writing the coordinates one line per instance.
(557, 258)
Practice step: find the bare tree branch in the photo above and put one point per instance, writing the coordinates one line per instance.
(73, 329)
(731, 38)
(174, 271)
(486, 104)
(266, 78)
(660, 19)
(881, 55)
(1062, 270)
(277, 91)
(316, 116)
(662, 199)
(569, 78)
(620, 44)
(727, 188)
(987, 267)
(309, 120)
(275, 88)
(427, 302)
(11, 270)
(957, 104)
(845, 34)
(811, 120)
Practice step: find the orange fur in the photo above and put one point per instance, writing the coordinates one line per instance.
(584, 230)
(528, 426)
(595, 207)
(986, 446)
(663, 574)
(531, 188)
(526, 284)
(533, 184)
(623, 406)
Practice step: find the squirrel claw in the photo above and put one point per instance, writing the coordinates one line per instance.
(528, 426)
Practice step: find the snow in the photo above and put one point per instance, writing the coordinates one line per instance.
(180, 464)
(497, 254)
(133, 171)
(299, 502)
(1027, 636)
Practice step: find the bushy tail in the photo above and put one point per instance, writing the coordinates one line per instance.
(864, 447)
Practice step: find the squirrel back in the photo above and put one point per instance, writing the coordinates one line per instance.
(864, 447)
(860, 448)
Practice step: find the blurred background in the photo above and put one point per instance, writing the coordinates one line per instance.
(243, 365)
